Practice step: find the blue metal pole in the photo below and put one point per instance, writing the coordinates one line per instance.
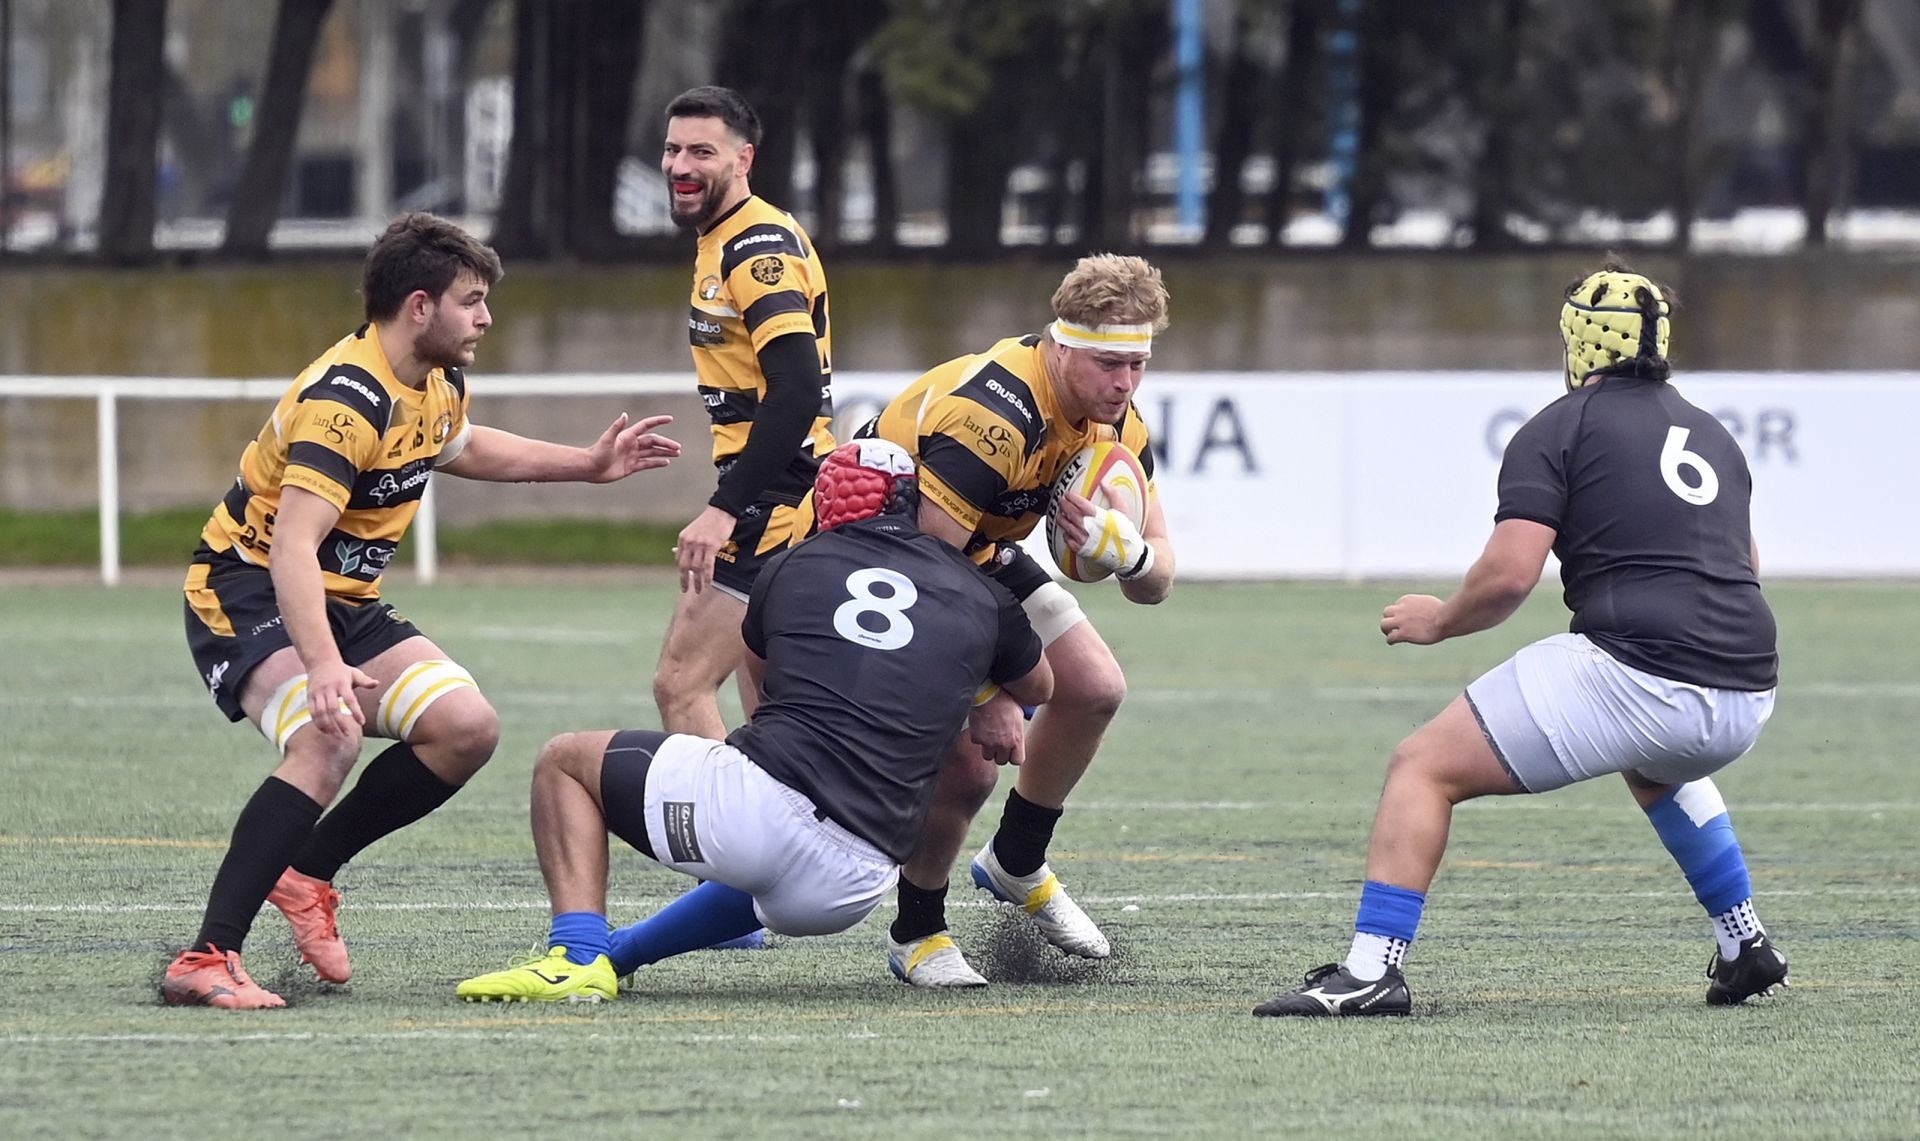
(1190, 113)
(1343, 81)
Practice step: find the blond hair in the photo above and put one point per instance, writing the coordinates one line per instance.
(1112, 289)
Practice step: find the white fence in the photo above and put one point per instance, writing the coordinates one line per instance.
(1349, 475)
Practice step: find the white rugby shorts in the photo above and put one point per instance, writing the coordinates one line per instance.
(712, 813)
(1564, 710)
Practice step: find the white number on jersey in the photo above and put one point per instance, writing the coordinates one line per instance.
(891, 608)
(1675, 456)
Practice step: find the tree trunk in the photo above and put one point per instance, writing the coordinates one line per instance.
(610, 41)
(1134, 36)
(876, 123)
(1500, 107)
(1291, 111)
(1240, 96)
(1688, 55)
(255, 205)
(138, 75)
(1828, 123)
(519, 228)
(762, 67)
(977, 168)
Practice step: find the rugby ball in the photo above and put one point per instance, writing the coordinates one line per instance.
(1108, 474)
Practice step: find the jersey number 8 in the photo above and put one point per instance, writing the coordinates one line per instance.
(889, 608)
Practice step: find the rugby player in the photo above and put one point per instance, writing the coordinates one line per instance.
(1666, 676)
(870, 642)
(283, 610)
(762, 354)
(991, 432)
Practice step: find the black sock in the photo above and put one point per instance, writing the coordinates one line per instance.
(393, 791)
(1025, 831)
(922, 912)
(275, 823)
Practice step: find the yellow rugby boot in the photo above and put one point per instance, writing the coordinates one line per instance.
(547, 977)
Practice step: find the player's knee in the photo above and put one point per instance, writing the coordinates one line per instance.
(1411, 757)
(319, 762)
(674, 685)
(477, 734)
(969, 782)
(1097, 691)
(464, 733)
(562, 757)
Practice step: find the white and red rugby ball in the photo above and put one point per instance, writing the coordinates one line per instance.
(1108, 474)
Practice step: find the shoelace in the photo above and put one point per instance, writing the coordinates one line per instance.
(238, 972)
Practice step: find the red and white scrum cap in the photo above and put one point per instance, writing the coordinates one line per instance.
(861, 479)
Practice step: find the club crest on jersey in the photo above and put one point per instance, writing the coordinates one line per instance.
(442, 428)
(767, 271)
(709, 287)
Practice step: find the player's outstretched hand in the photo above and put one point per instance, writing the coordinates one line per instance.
(1414, 618)
(999, 726)
(626, 448)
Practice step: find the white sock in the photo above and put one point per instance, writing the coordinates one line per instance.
(1371, 955)
(1734, 926)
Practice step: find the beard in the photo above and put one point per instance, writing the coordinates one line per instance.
(703, 211)
(441, 348)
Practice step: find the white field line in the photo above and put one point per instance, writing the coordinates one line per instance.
(23, 696)
(19, 1039)
(633, 905)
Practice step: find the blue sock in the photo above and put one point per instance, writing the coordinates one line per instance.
(711, 913)
(1693, 823)
(582, 933)
(1390, 911)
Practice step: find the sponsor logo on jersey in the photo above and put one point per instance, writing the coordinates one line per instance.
(1008, 395)
(755, 239)
(709, 287)
(344, 381)
(704, 331)
(390, 485)
(1028, 501)
(337, 427)
(767, 271)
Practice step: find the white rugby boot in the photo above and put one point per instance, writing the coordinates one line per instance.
(934, 961)
(1041, 895)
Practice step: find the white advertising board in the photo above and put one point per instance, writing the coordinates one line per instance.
(1393, 474)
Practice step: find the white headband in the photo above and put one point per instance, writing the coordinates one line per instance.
(1113, 338)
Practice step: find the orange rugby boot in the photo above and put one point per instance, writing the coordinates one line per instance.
(310, 905)
(214, 978)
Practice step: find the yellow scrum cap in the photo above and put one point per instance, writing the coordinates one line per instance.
(1604, 323)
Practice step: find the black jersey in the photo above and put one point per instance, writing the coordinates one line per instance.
(1650, 497)
(877, 637)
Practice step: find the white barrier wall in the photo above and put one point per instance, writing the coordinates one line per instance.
(1393, 474)
(1335, 474)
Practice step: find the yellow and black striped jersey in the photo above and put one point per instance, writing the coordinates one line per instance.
(990, 439)
(757, 277)
(348, 431)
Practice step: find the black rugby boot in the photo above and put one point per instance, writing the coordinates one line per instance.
(1332, 991)
(1757, 970)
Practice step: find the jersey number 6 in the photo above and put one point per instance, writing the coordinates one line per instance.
(1675, 456)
